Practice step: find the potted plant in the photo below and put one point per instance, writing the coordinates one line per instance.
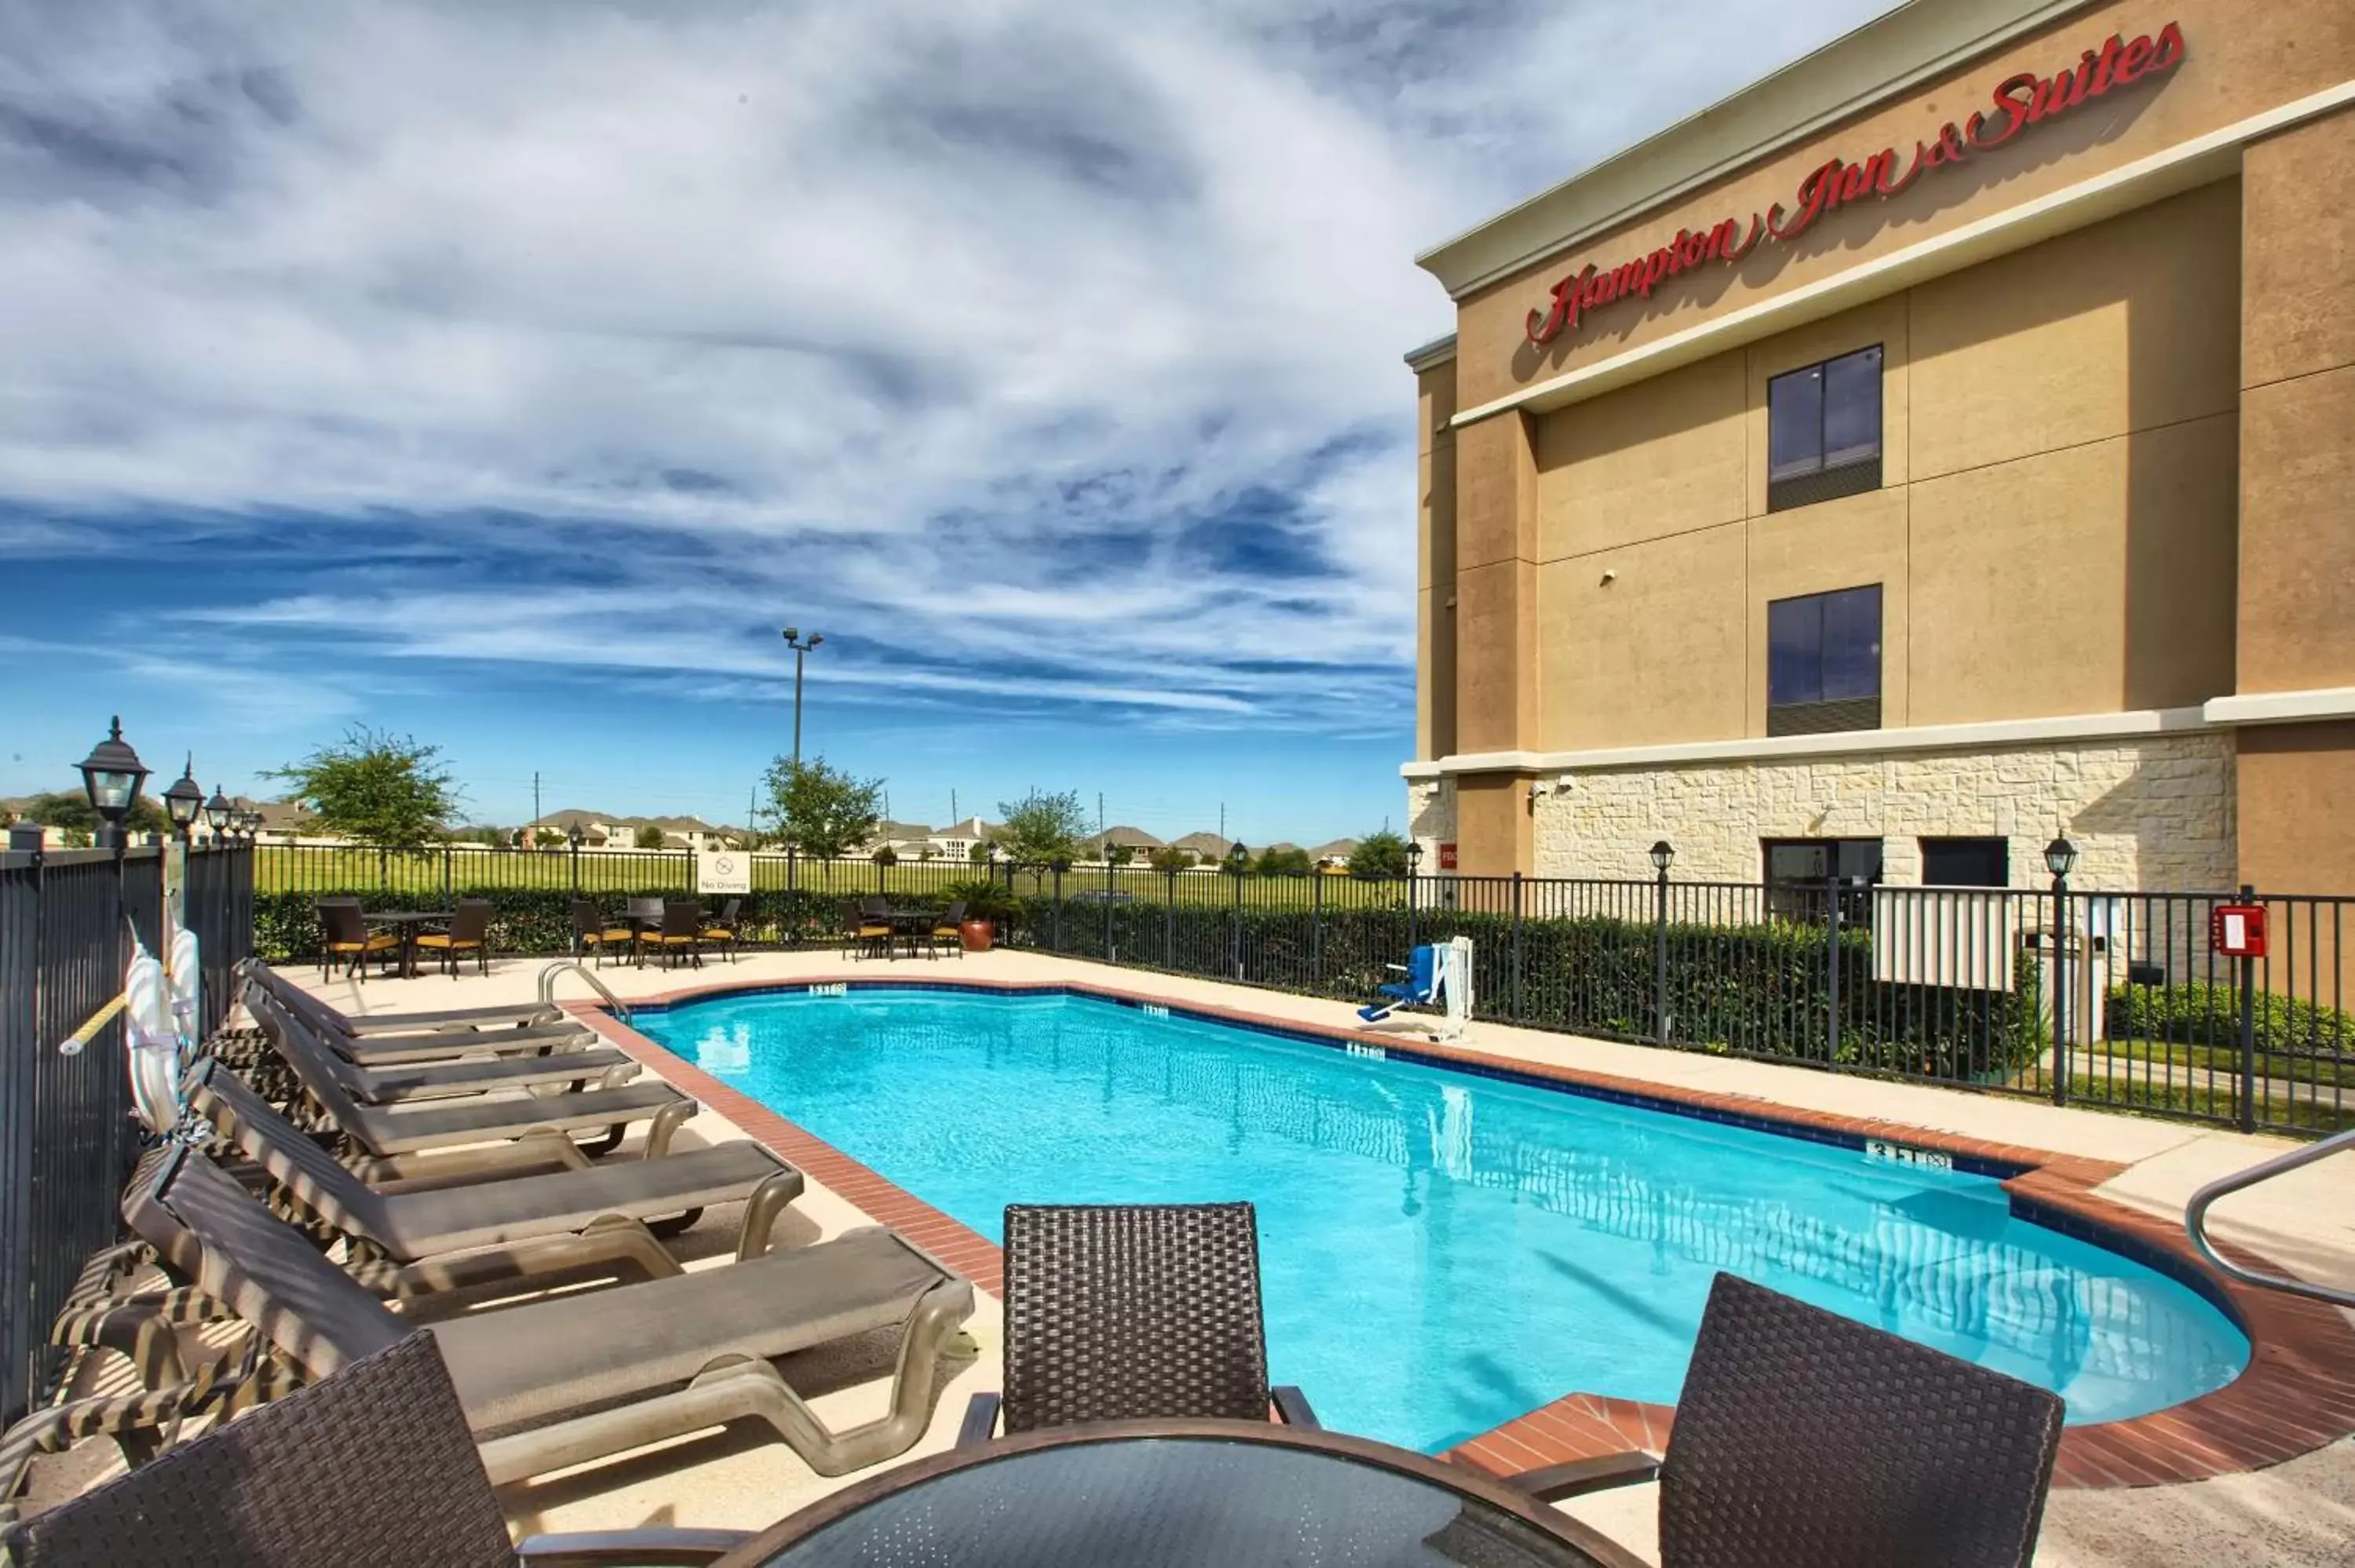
(986, 903)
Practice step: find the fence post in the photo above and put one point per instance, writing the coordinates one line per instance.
(2249, 1030)
(576, 867)
(1316, 933)
(1235, 926)
(1516, 945)
(1659, 956)
(2056, 986)
(1832, 969)
(447, 853)
(1058, 869)
(20, 1047)
(1169, 920)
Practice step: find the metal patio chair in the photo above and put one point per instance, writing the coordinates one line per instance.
(344, 934)
(1118, 1313)
(721, 932)
(681, 928)
(1802, 1437)
(592, 929)
(950, 928)
(469, 932)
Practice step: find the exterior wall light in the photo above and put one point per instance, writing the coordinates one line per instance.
(185, 800)
(111, 776)
(1664, 855)
(2060, 858)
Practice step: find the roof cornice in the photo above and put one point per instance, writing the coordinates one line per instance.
(1885, 59)
(1438, 352)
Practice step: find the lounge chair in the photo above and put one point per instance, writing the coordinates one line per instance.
(950, 928)
(370, 1468)
(591, 929)
(344, 934)
(399, 1081)
(561, 1382)
(483, 1020)
(1802, 1437)
(469, 932)
(404, 1242)
(377, 1131)
(1128, 1312)
(675, 937)
(721, 932)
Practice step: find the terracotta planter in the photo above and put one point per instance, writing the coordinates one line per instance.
(977, 934)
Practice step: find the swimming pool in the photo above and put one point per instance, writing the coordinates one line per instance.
(1443, 1252)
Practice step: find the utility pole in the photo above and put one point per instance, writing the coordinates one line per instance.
(953, 818)
(535, 797)
(1222, 818)
(1099, 813)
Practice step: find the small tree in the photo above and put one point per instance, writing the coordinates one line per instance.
(1284, 863)
(823, 810)
(1042, 828)
(887, 855)
(70, 812)
(647, 837)
(374, 788)
(978, 854)
(1378, 855)
(1167, 858)
(1119, 854)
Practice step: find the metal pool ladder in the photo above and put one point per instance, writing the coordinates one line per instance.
(2195, 1218)
(547, 985)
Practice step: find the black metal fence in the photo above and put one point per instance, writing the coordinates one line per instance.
(2079, 996)
(68, 1138)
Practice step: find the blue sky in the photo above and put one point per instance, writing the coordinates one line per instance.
(507, 374)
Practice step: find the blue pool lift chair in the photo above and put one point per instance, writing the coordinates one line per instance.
(1420, 987)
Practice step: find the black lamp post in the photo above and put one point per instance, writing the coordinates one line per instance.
(2060, 859)
(185, 800)
(251, 822)
(110, 777)
(1664, 855)
(1414, 871)
(219, 812)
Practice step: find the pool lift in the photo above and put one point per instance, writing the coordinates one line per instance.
(1438, 974)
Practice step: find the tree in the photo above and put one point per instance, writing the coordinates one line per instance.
(647, 837)
(1042, 828)
(887, 855)
(1167, 858)
(978, 854)
(1119, 854)
(1378, 855)
(374, 788)
(70, 812)
(1284, 863)
(823, 810)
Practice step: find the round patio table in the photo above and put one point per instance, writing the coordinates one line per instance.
(409, 920)
(1163, 1494)
(910, 925)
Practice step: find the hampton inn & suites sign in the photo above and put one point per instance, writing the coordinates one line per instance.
(2016, 104)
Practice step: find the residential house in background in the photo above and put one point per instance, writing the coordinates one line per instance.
(1333, 857)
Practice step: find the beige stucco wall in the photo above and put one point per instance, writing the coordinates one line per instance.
(1430, 815)
(2239, 58)
(2149, 813)
(1435, 565)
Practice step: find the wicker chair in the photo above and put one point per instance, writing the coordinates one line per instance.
(722, 933)
(344, 934)
(949, 929)
(469, 932)
(1805, 1437)
(1132, 1312)
(371, 1464)
(681, 928)
(871, 926)
(592, 929)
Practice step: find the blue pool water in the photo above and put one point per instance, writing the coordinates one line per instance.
(1444, 1252)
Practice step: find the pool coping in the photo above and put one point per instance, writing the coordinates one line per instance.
(2296, 1393)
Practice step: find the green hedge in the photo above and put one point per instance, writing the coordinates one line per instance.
(2198, 1014)
(528, 922)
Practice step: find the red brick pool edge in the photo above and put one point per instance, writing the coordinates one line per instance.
(2296, 1394)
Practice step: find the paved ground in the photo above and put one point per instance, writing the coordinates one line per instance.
(2299, 1513)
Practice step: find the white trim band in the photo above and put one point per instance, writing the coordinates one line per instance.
(2282, 707)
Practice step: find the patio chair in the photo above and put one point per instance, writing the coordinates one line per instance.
(950, 928)
(469, 932)
(372, 1466)
(592, 929)
(681, 928)
(562, 1381)
(1123, 1312)
(375, 1132)
(870, 928)
(407, 1243)
(344, 934)
(441, 1021)
(1802, 1437)
(721, 932)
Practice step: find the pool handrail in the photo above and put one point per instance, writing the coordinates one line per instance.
(2195, 1219)
(547, 985)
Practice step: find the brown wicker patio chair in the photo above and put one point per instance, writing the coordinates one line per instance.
(1132, 1312)
(1802, 1437)
(675, 938)
(371, 1467)
(344, 934)
(721, 932)
(950, 928)
(469, 932)
(592, 929)
(870, 926)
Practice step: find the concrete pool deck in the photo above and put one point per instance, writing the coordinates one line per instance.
(2295, 1512)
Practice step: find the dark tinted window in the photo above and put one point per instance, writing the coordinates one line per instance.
(1966, 862)
(1824, 648)
(1799, 870)
(1823, 416)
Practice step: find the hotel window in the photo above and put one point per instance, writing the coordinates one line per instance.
(1966, 862)
(1823, 662)
(1799, 874)
(1823, 430)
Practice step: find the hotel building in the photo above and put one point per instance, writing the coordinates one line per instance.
(1946, 442)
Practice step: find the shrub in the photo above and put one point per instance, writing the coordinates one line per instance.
(2198, 1014)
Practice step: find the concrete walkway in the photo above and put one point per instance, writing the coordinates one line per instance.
(2302, 1512)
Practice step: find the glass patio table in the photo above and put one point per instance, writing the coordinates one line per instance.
(1162, 1494)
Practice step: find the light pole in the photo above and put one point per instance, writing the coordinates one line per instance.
(219, 811)
(110, 777)
(1413, 870)
(1664, 855)
(802, 647)
(2060, 859)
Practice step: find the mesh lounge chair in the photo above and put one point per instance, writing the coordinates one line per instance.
(469, 932)
(379, 1050)
(511, 1015)
(592, 929)
(949, 929)
(1132, 1312)
(675, 937)
(721, 932)
(344, 934)
(400, 1082)
(1804, 1437)
(402, 1242)
(561, 1382)
(370, 1468)
(382, 1130)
